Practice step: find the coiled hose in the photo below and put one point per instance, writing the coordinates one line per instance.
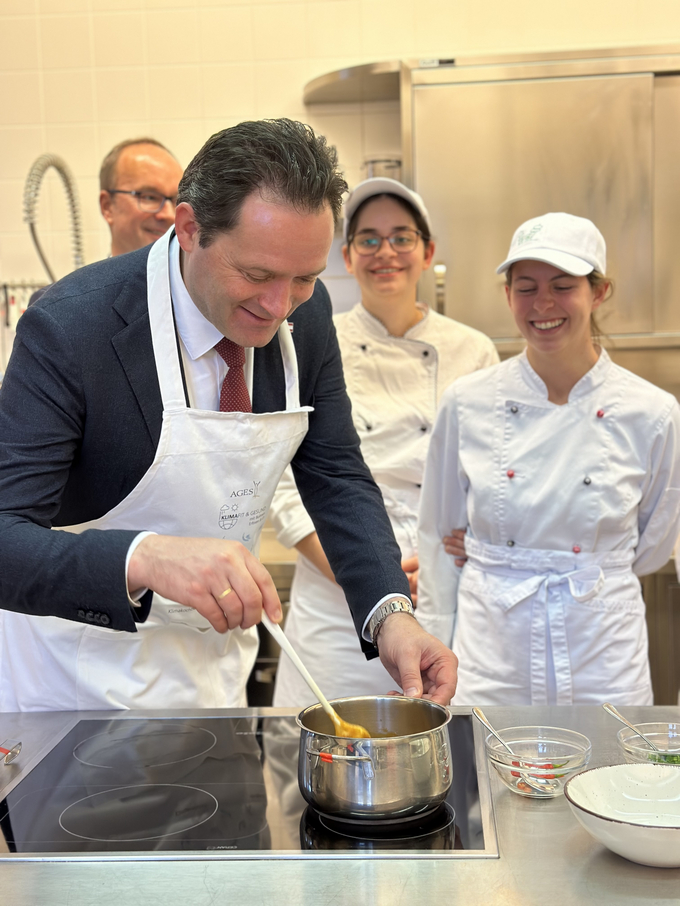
(31, 193)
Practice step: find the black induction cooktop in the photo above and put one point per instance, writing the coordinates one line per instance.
(218, 787)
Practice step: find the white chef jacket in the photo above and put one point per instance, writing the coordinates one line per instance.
(395, 384)
(599, 476)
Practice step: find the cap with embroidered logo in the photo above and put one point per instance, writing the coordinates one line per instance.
(571, 244)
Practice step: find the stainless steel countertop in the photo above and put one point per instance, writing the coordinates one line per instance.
(545, 855)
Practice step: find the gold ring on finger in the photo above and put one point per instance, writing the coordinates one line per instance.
(225, 593)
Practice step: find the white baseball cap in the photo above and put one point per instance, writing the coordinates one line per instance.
(381, 185)
(572, 244)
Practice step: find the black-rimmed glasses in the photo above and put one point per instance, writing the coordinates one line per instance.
(401, 241)
(149, 202)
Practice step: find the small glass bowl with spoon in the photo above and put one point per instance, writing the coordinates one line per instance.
(657, 741)
(535, 761)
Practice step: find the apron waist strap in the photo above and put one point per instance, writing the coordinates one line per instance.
(533, 573)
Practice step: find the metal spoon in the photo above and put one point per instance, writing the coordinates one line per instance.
(610, 709)
(342, 727)
(536, 783)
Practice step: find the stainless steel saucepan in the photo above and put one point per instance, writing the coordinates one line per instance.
(403, 770)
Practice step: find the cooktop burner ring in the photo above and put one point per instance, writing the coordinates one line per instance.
(434, 821)
(197, 799)
(89, 754)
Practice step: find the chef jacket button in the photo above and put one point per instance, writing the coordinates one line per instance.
(576, 549)
(514, 410)
(423, 428)
(105, 620)
(81, 614)
(510, 473)
(600, 413)
(510, 543)
(419, 485)
(426, 353)
(587, 480)
(369, 427)
(364, 347)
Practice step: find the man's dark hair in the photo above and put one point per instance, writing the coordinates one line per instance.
(280, 157)
(107, 172)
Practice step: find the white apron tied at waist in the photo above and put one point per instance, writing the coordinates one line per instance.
(540, 575)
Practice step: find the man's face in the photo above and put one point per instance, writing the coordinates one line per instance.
(248, 280)
(140, 168)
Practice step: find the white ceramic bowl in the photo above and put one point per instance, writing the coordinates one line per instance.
(634, 809)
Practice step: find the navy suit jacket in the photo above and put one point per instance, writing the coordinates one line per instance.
(80, 420)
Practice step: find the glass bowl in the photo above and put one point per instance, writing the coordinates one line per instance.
(665, 736)
(544, 759)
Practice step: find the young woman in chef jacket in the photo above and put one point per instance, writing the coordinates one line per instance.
(398, 358)
(559, 473)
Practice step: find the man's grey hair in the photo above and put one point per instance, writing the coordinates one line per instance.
(280, 157)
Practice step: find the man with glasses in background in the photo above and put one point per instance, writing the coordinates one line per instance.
(138, 184)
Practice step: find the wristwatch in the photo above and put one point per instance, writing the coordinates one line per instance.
(393, 605)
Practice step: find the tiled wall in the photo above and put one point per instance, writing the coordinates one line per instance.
(76, 76)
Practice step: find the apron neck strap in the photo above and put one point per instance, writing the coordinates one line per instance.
(162, 322)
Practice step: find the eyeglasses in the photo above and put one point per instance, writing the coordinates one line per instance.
(149, 202)
(402, 241)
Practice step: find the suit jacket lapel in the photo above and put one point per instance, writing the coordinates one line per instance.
(134, 349)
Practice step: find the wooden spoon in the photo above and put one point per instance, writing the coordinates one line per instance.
(342, 727)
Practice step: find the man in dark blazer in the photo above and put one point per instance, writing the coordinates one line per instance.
(81, 415)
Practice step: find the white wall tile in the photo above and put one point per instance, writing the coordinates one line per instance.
(49, 7)
(11, 203)
(175, 92)
(18, 43)
(77, 145)
(279, 31)
(65, 42)
(333, 26)
(122, 94)
(113, 5)
(119, 39)
(229, 90)
(68, 96)
(20, 98)
(172, 37)
(226, 34)
(278, 89)
(19, 146)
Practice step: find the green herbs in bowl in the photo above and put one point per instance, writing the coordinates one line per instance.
(665, 736)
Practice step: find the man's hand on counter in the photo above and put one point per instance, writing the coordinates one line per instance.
(419, 662)
(197, 572)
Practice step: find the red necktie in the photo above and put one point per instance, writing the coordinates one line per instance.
(234, 394)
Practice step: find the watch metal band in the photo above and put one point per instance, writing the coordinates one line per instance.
(395, 605)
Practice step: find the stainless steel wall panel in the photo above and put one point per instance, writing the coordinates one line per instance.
(488, 155)
(667, 203)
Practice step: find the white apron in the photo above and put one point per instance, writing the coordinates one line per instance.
(214, 475)
(321, 629)
(541, 627)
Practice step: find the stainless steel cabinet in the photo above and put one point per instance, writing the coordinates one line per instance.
(489, 155)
